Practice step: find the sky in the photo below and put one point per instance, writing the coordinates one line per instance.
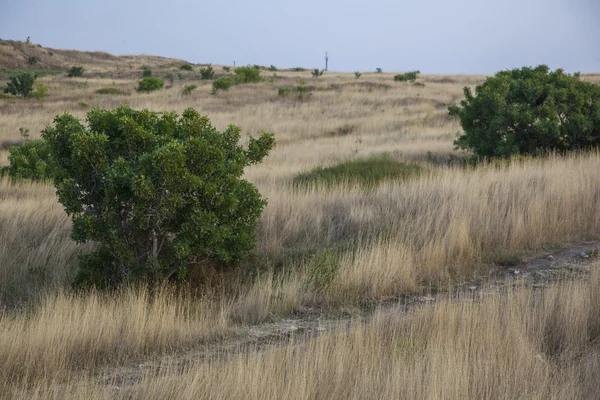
(433, 36)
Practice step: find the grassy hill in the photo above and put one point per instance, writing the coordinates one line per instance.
(433, 284)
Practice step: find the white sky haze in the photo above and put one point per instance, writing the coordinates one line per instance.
(433, 36)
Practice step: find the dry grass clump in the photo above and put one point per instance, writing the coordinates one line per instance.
(518, 343)
(36, 253)
(68, 332)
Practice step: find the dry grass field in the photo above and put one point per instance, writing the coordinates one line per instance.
(374, 245)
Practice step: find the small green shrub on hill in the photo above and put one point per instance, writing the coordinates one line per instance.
(40, 92)
(20, 85)
(187, 90)
(207, 73)
(150, 84)
(407, 77)
(247, 74)
(223, 83)
(75, 71)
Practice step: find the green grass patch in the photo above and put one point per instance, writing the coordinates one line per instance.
(365, 171)
(114, 91)
(6, 73)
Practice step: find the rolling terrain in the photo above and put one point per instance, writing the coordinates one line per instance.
(452, 282)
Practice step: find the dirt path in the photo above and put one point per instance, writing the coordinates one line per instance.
(571, 262)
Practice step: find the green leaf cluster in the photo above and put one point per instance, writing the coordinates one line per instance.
(410, 76)
(150, 84)
(75, 71)
(158, 193)
(30, 160)
(20, 85)
(529, 111)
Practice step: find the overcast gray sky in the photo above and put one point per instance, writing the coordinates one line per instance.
(434, 36)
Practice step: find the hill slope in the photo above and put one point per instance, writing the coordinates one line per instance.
(17, 54)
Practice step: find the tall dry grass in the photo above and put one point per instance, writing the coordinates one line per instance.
(437, 229)
(399, 238)
(514, 344)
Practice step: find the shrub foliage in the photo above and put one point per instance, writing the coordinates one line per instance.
(30, 160)
(407, 77)
(150, 84)
(207, 72)
(529, 111)
(157, 193)
(20, 85)
(75, 71)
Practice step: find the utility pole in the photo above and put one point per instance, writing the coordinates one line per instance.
(326, 61)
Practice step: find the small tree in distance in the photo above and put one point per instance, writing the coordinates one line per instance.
(529, 111)
(158, 194)
(75, 71)
(20, 85)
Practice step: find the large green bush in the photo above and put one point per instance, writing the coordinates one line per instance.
(158, 193)
(20, 85)
(30, 160)
(150, 84)
(529, 111)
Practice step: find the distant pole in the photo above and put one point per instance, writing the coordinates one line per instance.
(234, 64)
(326, 61)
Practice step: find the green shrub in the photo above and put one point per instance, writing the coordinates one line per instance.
(529, 111)
(32, 60)
(317, 72)
(223, 83)
(298, 69)
(302, 91)
(20, 85)
(30, 160)
(187, 90)
(378, 70)
(75, 71)
(407, 77)
(207, 73)
(159, 194)
(366, 172)
(186, 67)
(247, 74)
(40, 92)
(146, 72)
(357, 74)
(150, 84)
(272, 68)
(226, 69)
(283, 91)
(112, 91)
